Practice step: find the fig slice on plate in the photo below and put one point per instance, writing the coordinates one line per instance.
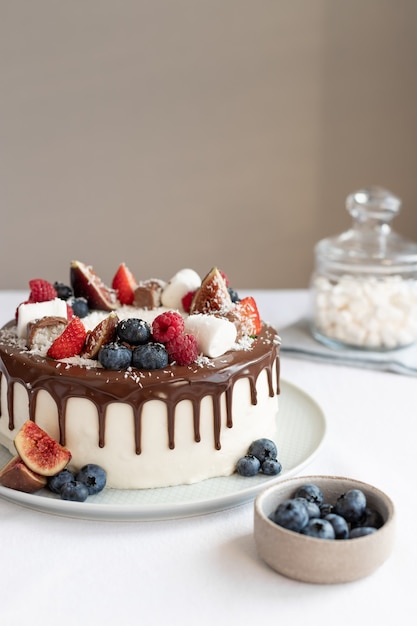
(39, 451)
(16, 475)
(87, 284)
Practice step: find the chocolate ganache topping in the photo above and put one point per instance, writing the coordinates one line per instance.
(135, 387)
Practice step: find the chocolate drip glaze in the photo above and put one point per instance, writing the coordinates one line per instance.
(136, 387)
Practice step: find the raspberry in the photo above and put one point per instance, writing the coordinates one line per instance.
(166, 326)
(41, 290)
(182, 349)
(186, 301)
(70, 342)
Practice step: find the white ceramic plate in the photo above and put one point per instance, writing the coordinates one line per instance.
(301, 428)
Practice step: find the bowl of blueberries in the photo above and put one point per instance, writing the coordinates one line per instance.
(324, 529)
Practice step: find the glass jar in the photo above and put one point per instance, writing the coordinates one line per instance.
(364, 286)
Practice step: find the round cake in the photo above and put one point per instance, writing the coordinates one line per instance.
(179, 422)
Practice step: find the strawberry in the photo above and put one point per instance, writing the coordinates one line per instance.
(248, 315)
(124, 283)
(41, 290)
(70, 342)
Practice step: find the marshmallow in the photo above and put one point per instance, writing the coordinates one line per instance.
(30, 311)
(215, 335)
(370, 312)
(183, 282)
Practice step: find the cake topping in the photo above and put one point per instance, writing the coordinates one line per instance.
(182, 349)
(41, 290)
(212, 296)
(167, 325)
(70, 342)
(103, 333)
(87, 284)
(124, 283)
(41, 333)
(180, 284)
(215, 335)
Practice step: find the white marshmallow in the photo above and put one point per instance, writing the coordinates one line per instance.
(214, 335)
(369, 312)
(183, 282)
(28, 312)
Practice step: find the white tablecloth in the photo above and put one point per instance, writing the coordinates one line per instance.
(205, 570)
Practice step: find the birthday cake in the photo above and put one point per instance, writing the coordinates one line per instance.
(159, 382)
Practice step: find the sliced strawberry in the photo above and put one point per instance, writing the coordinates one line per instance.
(87, 284)
(248, 315)
(125, 284)
(103, 333)
(70, 342)
(41, 290)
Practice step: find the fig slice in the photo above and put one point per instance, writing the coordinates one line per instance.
(39, 451)
(212, 296)
(87, 284)
(16, 475)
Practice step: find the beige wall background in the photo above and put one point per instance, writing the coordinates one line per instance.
(193, 133)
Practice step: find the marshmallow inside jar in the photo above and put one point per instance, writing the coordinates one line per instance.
(364, 285)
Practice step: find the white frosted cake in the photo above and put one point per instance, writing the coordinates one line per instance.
(181, 422)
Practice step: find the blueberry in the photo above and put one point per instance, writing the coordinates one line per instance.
(80, 307)
(313, 509)
(151, 356)
(362, 531)
(263, 449)
(74, 491)
(234, 296)
(370, 517)
(312, 493)
(64, 292)
(291, 514)
(271, 467)
(340, 525)
(248, 465)
(55, 483)
(326, 508)
(114, 356)
(93, 476)
(319, 528)
(351, 505)
(134, 331)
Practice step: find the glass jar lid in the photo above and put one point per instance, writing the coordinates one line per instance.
(370, 245)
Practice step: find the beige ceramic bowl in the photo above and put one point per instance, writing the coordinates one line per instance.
(319, 560)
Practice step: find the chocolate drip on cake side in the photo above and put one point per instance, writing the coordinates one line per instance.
(171, 386)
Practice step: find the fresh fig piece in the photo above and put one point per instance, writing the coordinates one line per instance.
(102, 334)
(87, 284)
(212, 296)
(16, 475)
(39, 451)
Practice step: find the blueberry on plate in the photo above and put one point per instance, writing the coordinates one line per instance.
(74, 491)
(248, 465)
(55, 483)
(291, 514)
(263, 449)
(271, 467)
(134, 331)
(319, 528)
(115, 356)
(93, 476)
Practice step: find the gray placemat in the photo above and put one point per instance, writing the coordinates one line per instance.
(298, 341)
